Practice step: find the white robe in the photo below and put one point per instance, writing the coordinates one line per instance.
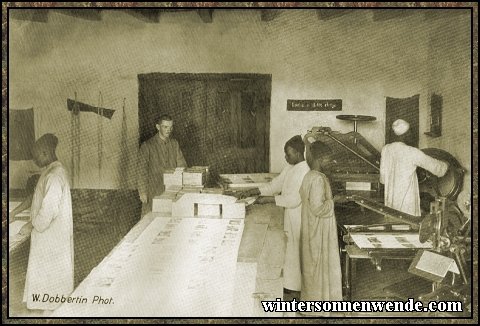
(50, 263)
(286, 187)
(319, 252)
(398, 166)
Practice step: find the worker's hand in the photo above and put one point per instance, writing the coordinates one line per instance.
(26, 229)
(265, 200)
(143, 198)
(248, 193)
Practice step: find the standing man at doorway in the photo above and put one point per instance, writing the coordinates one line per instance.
(157, 154)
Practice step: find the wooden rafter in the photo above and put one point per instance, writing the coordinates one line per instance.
(34, 15)
(84, 13)
(269, 14)
(327, 14)
(206, 15)
(146, 15)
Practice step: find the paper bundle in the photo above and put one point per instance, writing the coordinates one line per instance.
(173, 177)
(195, 176)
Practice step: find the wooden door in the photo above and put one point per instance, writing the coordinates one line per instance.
(220, 120)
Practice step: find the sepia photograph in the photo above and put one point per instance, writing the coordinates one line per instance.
(265, 162)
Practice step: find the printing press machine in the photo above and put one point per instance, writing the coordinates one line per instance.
(370, 230)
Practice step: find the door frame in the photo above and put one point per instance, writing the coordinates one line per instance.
(172, 77)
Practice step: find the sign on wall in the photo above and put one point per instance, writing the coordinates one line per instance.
(314, 105)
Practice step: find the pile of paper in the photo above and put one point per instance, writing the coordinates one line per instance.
(163, 203)
(195, 176)
(173, 177)
(193, 204)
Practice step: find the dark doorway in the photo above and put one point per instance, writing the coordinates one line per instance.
(406, 109)
(220, 120)
(21, 134)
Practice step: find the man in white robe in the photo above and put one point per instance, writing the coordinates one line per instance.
(50, 263)
(398, 165)
(319, 252)
(286, 191)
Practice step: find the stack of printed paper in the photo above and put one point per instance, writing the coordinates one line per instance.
(177, 267)
(195, 176)
(173, 177)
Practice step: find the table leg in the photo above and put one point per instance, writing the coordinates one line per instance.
(348, 294)
(353, 272)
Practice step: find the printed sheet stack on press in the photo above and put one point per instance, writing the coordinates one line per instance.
(389, 241)
(177, 267)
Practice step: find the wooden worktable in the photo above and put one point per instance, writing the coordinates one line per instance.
(259, 265)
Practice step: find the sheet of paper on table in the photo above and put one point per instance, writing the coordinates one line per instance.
(432, 266)
(177, 267)
(389, 241)
(437, 264)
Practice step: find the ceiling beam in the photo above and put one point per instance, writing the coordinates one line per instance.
(34, 15)
(86, 13)
(206, 15)
(269, 14)
(146, 15)
(327, 14)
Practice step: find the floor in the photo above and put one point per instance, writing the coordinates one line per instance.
(370, 284)
(96, 234)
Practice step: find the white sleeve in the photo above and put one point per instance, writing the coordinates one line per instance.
(274, 187)
(50, 206)
(437, 167)
(383, 165)
(292, 198)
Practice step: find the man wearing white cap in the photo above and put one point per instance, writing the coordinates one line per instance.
(398, 166)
